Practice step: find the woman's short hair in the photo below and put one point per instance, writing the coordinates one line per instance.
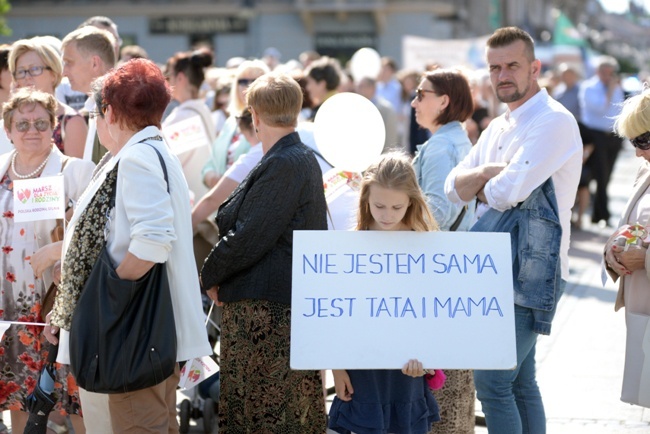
(276, 99)
(47, 53)
(136, 91)
(254, 67)
(634, 118)
(326, 69)
(454, 84)
(25, 99)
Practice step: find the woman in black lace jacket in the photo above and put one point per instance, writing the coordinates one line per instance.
(249, 271)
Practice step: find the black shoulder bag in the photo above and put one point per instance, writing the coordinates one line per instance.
(123, 336)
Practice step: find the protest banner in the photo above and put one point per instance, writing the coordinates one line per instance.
(39, 199)
(187, 134)
(418, 52)
(374, 300)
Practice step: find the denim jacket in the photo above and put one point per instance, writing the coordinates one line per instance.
(535, 235)
(442, 152)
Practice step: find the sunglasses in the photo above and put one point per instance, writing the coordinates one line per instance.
(41, 125)
(419, 93)
(245, 81)
(642, 142)
(34, 71)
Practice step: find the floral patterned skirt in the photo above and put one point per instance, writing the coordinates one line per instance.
(22, 356)
(259, 391)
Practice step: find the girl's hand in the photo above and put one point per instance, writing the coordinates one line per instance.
(342, 384)
(414, 369)
(45, 257)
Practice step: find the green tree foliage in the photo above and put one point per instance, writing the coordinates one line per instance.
(5, 7)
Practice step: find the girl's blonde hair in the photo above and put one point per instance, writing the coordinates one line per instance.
(394, 171)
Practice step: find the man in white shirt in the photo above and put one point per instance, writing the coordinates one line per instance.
(600, 99)
(88, 53)
(536, 139)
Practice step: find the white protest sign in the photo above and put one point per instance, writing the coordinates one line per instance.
(187, 134)
(374, 300)
(39, 199)
(197, 370)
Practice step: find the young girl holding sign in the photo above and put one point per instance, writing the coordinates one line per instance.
(388, 401)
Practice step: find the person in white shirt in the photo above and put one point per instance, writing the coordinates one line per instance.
(600, 99)
(88, 53)
(536, 139)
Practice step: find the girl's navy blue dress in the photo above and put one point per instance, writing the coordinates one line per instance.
(385, 401)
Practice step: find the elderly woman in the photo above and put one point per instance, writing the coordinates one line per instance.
(36, 63)
(442, 102)
(249, 270)
(28, 255)
(148, 225)
(630, 264)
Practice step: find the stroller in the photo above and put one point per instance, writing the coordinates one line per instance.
(203, 399)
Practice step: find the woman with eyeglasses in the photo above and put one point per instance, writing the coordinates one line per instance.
(626, 256)
(36, 63)
(149, 224)
(230, 144)
(234, 175)
(443, 101)
(29, 256)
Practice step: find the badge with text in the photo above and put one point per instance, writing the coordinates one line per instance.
(375, 299)
(39, 199)
(187, 134)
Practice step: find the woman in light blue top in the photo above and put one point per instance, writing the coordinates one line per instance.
(230, 144)
(442, 101)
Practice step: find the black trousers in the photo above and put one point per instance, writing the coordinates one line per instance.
(606, 149)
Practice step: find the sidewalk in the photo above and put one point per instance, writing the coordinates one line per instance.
(580, 365)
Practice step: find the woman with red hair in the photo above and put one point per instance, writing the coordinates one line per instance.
(150, 223)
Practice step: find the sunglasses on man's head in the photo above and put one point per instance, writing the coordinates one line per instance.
(245, 81)
(642, 142)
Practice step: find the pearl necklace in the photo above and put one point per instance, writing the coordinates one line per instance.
(29, 175)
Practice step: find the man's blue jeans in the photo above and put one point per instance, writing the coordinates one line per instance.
(510, 399)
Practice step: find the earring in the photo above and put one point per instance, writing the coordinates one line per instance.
(256, 131)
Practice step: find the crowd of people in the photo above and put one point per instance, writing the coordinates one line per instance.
(488, 151)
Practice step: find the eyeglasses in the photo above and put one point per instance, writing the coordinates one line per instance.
(41, 125)
(245, 81)
(419, 93)
(95, 114)
(642, 142)
(34, 71)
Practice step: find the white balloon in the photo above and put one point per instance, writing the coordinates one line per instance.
(364, 63)
(349, 131)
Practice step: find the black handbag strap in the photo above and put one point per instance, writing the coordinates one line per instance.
(111, 200)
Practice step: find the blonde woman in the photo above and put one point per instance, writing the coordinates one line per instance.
(36, 63)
